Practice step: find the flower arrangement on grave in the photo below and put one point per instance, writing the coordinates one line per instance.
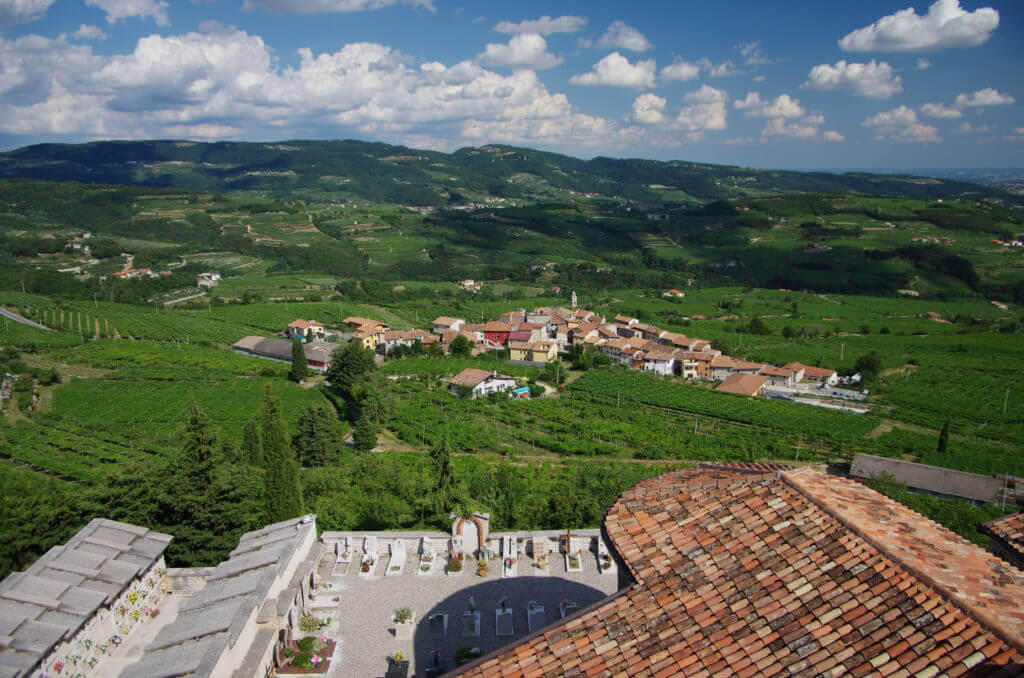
(542, 561)
(509, 562)
(324, 623)
(532, 605)
(481, 568)
(315, 660)
(455, 565)
(425, 567)
(92, 661)
(161, 571)
(126, 628)
(308, 623)
(116, 639)
(503, 603)
(135, 613)
(427, 557)
(399, 656)
(122, 610)
(395, 568)
(102, 647)
(149, 582)
(471, 604)
(403, 614)
(74, 659)
(606, 561)
(132, 597)
(58, 666)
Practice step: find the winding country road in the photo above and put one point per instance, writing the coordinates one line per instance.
(24, 321)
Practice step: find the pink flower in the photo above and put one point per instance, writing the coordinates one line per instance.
(315, 660)
(324, 639)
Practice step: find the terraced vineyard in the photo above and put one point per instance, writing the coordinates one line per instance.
(68, 451)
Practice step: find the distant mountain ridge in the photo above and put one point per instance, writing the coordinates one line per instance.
(397, 174)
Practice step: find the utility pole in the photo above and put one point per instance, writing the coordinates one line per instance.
(842, 350)
(1006, 399)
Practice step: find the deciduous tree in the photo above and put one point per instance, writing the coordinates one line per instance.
(318, 441)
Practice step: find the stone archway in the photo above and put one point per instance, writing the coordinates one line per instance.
(475, 542)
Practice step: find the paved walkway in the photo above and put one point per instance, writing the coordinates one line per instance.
(362, 615)
(19, 319)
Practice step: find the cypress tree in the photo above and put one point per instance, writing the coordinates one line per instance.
(299, 369)
(282, 491)
(198, 449)
(318, 441)
(444, 475)
(364, 435)
(944, 438)
(252, 443)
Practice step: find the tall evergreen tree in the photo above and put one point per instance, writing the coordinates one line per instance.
(198, 447)
(944, 437)
(299, 369)
(282, 491)
(318, 441)
(348, 368)
(364, 435)
(445, 492)
(252, 443)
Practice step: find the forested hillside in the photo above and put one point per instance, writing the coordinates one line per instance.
(381, 172)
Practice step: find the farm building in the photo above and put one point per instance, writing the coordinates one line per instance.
(475, 383)
(318, 353)
(301, 329)
(821, 375)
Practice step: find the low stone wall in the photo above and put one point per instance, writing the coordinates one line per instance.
(186, 580)
(936, 479)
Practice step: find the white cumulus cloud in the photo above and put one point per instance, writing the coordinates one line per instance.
(14, 12)
(623, 36)
(923, 64)
(649, 109)
(901, 125)
(983, 97)
(89, 32)
(615, 70)
(525, 50)
(782, 106)
(968, 128)
(874, 79)
(324, 6)
(124, 9)
(545, 25)
(941, 111)
(706, 112)
(945, 25)
(680, 71)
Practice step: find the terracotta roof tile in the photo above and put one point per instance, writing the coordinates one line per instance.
(747, 571)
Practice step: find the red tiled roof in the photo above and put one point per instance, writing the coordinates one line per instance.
(1010, 532)
(742, 384)
(810, 371)
(745, 573)
(772, 371)
(472, 376)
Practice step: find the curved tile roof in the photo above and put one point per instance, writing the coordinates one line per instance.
(741, 572)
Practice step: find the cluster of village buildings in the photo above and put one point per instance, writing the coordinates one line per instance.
(537, 337)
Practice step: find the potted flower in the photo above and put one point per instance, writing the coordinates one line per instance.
(102, 647)
(481, 568)
(542, 561)
(315, 660)
(425, 567)
(399, 656)
(403, 615)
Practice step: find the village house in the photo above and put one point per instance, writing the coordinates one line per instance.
(721, 367)
(663, 361)
(496, 334)
(442, 323)
(513, 317)
(305, 329)
(469, 285)
(368, 332)
(207, 279)
(746, 367)
(818, 375)
(700, 362)
(743, 384)
(673, 293)
(390, 339)
(779, 376)
(537, 353)
(474, 383)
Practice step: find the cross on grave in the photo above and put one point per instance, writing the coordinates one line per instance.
(567, 536)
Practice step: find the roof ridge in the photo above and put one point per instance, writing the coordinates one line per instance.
(949, 591)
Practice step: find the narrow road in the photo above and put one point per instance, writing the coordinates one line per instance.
(24, 321)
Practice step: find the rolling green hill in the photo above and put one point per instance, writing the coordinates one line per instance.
(396, 174)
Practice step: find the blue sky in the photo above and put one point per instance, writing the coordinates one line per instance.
(797, 84)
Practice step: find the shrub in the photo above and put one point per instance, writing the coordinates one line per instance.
(308, 623)
(403, 614)
(454, 565)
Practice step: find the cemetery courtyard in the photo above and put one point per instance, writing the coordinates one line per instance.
(452, 613)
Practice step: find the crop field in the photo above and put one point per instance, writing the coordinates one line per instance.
(581, 425)
(154, 409)
(145, 355)
(223, 261)
(67, 451)
(16, 334)
(446, 367)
